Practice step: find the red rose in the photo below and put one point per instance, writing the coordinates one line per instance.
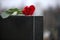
(29, 10)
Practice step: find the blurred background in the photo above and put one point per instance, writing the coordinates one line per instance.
(39, 4)
(52, 23)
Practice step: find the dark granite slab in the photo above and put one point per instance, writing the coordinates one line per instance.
(21, 28)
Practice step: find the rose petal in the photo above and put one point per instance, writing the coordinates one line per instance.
(28, 10)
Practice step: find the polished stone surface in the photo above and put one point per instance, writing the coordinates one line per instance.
(21, 28)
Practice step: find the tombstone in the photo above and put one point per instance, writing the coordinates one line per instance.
(21, 28)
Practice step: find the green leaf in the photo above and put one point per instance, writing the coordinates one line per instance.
(10, 11)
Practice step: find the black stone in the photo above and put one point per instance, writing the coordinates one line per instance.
(21, 28)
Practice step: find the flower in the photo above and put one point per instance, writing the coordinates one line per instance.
(28, 10)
